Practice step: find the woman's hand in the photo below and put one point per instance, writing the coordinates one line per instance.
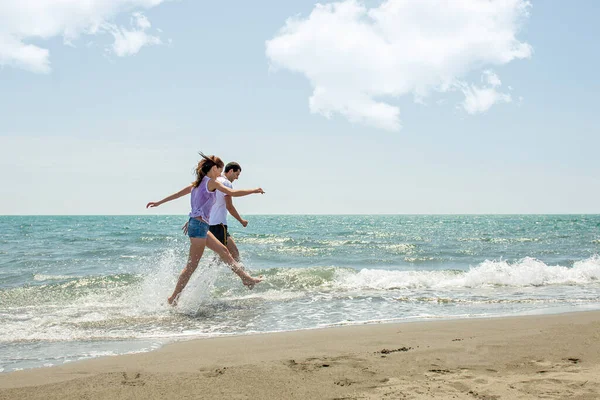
(182, 192)
(185, 228)
(259, 190)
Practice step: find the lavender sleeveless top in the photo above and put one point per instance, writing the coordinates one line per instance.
(202, 200)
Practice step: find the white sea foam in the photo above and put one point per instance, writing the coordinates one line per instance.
(268, 295)
(199, 288)
(299, 250)
(133, 309)
(159, 279)
(526, 272)
(262, 240)
(42, 277)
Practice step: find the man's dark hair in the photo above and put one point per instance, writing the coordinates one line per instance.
(232, 166)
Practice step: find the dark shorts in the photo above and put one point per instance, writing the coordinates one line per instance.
(220, 232)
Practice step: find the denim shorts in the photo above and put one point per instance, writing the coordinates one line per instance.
(197, 228)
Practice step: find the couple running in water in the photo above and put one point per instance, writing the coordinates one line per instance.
(204, 190)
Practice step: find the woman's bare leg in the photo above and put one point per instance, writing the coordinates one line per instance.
(216, 246)
(196, 249)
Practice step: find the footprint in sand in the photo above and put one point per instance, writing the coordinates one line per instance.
(440, 371)
(311, 364)
(132, 380)
(388, 351)
(217, 372)
(344, 382)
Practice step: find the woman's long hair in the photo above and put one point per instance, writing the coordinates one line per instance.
(204, 165)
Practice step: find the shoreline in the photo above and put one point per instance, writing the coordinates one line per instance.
(532, 356)
(399, 321)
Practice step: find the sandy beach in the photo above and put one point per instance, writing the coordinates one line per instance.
(532, 357)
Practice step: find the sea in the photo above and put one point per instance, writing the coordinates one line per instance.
(79, 287)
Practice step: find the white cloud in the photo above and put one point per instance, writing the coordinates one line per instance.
(480, 99)
(128, 42)
(22, 55)
(24, 20)
(491, 78)
(357, 57)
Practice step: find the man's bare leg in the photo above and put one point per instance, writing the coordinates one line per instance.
(235, 253)
(218, 247)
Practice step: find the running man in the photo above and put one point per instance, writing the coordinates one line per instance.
(223, 204)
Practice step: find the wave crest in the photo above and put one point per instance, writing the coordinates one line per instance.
(526, 272)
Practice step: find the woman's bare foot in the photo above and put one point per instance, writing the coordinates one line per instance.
(250, 281)
(173, 300)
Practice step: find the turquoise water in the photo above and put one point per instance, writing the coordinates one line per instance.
(75, 287)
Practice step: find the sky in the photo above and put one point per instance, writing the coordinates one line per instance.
(348, 107)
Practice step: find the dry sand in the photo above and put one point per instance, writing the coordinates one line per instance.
(534, 357)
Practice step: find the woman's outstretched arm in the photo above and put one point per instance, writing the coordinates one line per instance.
(232, 192)
(182, 192)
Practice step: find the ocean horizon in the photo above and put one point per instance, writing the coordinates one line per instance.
(301, 214)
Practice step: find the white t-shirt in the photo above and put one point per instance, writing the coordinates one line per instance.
(218, 214)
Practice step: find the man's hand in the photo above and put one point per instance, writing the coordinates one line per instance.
(244, 223)
(184, 228)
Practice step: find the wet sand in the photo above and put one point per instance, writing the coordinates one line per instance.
(532, 357)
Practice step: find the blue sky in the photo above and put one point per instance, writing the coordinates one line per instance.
(100, 126)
